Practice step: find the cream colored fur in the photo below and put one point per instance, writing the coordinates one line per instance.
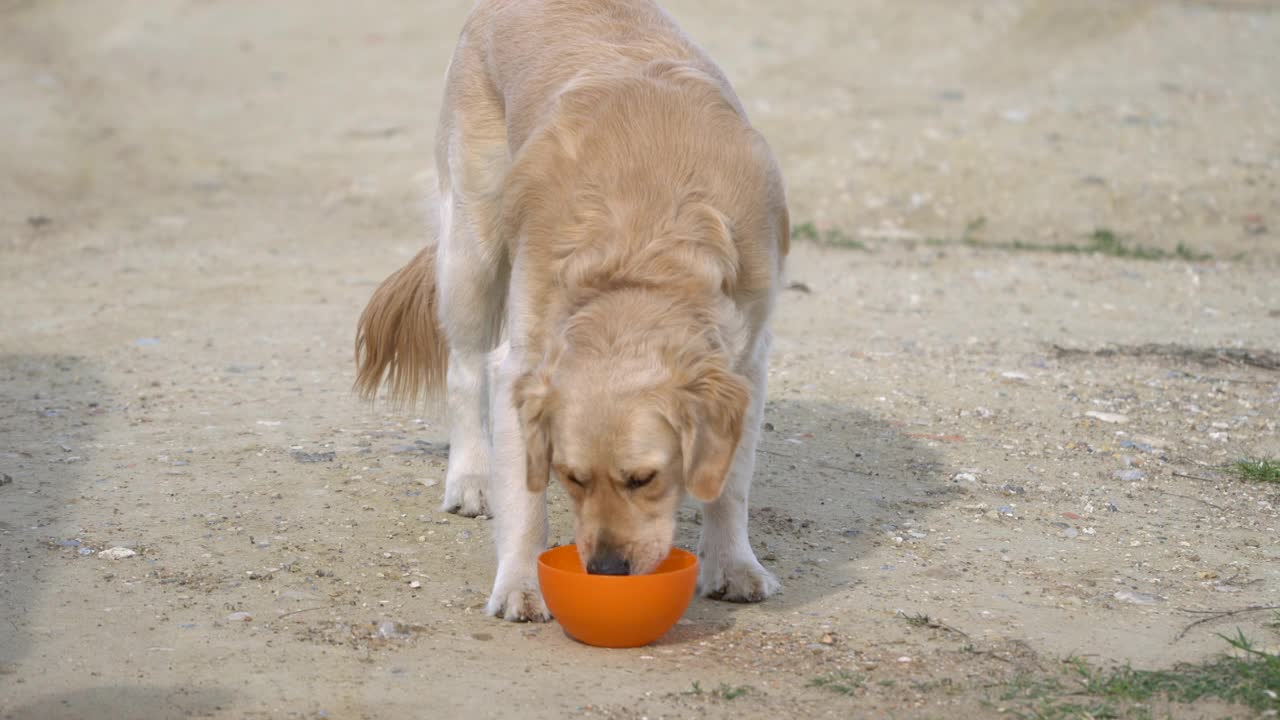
(612, 231)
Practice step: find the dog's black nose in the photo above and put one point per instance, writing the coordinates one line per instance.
(609, 563)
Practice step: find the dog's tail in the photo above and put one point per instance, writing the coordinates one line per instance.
(399, 339)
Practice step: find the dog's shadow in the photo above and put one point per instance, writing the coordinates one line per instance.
(831, 484)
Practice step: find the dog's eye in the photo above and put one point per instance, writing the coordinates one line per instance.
(639, 480)
(571, 478)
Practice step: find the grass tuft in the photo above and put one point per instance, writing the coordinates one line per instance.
(1258, 469)
(831, 237)
(1100, 242)
(843, 682)
(1247, 677)
(916, 620)
(726, 692)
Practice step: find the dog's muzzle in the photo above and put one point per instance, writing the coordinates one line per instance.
(608, 563)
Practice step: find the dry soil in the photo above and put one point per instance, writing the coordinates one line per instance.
(197, 197)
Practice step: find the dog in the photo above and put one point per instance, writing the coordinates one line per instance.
(610, 241)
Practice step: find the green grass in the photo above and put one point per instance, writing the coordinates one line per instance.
(724, 692)
(944, 685)
(1035, 697)
(831, 237)
(1101, 242)
(844, 683)
(916, 620)
(972, 227)
(1247, 677)
(1258, 469)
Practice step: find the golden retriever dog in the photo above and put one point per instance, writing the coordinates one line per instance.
(611, 234)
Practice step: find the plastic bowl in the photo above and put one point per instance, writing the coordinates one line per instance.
(616, 611)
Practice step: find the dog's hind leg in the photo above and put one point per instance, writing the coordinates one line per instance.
(472, 293)
(471, 264)
(730, 570)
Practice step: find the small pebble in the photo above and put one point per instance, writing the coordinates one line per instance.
(240, 617)
(415, 584)
(116, 553)
(1016, 115)
(1107, 417)
(1136, 598)
(1130, 475)
(1134, 445)
(389, 629)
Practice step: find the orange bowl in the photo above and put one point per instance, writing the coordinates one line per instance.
(616, 611)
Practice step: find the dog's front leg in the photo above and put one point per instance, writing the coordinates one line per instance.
(730, 570)
(520, 515)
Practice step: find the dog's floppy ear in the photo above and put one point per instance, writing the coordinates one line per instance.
(709, 416)
(532, 396)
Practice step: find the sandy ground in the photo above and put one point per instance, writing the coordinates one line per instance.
(197, 197)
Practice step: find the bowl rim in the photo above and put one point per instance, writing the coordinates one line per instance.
(544, 566)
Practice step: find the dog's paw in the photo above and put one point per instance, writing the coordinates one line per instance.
(517, 602)
(743, 580)
(465, 496)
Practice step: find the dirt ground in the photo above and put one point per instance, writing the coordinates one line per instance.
(197, 198)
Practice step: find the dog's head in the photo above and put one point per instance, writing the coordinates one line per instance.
(628, 439)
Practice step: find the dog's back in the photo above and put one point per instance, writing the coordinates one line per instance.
(573, 39)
